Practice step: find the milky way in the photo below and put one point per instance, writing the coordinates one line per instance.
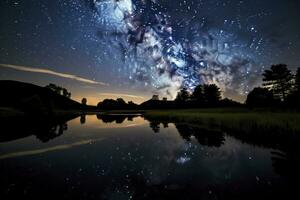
(142, 32)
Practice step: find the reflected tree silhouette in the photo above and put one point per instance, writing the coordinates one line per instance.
(45, 129)
(204, 136)
(155, 126)
(287, 162)
(283, 140)
(111, 118)
(119, 119)
(130, 118)
(165, 124)
(52, 132)
(82, 119)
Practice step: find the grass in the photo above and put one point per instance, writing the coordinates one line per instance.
(278, 130)
(240, 118)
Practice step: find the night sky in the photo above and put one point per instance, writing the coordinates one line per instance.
(135, 48)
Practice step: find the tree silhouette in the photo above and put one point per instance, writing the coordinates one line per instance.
(84, 101)
(59, 90)
(132, 105)
(183, 95)
(121, 102)
(279, 80)
(297, 82)
(294, 97)
(55, 88)
(66, 93)
(212, 94)
(259, 97)
(198, 94)
(111, 104)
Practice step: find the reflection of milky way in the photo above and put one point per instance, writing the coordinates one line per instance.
(153, 53)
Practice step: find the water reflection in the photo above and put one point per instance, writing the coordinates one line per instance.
(52, 131)
(47, 129)
(204, 136)
(285, 153)
(119, 119)
(155, 126)
(44, 129)
(82, 119)
(155, 160)
(45, 150)
(287, 162)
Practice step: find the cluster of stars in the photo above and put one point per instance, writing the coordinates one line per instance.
(170, 53)
(160, 46)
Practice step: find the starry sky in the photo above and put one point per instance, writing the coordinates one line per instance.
(136, 48)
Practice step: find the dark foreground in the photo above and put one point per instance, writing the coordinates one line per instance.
(161, 155)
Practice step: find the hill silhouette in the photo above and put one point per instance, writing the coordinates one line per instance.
(33, 99)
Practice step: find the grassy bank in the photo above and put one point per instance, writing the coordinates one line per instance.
(241, 119)
(277, 130)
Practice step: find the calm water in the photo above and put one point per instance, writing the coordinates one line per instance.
(119, 157)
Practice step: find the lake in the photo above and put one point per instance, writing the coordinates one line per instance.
(129, 157)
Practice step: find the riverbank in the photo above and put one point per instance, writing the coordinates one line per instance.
(230, 118)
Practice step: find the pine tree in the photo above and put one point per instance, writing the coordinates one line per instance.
(212, 94)
(279, 80)
(297, 82)
(183, 95)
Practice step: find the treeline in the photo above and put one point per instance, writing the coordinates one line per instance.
(119, 104)
(280, 88)
(59, 90)
(202, 96)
